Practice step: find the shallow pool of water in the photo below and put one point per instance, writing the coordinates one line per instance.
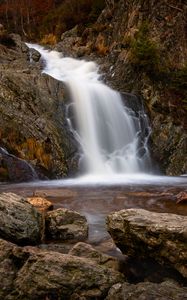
(98, 197)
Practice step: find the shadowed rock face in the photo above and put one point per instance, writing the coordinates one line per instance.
(15, 169)
(141, 233)
(32, 124)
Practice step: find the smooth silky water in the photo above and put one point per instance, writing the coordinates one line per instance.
(115, 165)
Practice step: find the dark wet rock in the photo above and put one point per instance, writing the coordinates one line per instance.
(64, 224)
(36, 274)
(142, 233)
(34, 55)
(20, 222)
(15, 169)
(87, 251)
(147, 291)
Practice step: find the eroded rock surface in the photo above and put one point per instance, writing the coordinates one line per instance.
(20, 222)
(148, 291)
(142, 233)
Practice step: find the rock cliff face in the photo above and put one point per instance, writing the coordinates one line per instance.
(32, 123)
(142, 47)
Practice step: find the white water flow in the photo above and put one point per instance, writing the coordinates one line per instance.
(106, 130)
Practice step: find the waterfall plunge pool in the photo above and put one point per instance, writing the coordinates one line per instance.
(96, 197)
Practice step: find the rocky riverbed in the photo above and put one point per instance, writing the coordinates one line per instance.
(45, 251)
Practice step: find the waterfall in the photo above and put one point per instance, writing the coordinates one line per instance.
(109, 134)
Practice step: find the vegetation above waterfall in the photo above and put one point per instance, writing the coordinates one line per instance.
(47, 20)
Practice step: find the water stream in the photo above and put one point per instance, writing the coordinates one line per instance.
(108, 132)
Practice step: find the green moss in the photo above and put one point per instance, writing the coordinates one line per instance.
(146, 56)
(179, 78)
(144, 51)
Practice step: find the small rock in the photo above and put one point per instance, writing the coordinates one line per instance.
(40, 203)
(35, 55)
(64, 224)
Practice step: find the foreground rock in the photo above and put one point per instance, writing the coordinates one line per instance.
(36, 274)
(64, 224)
(148, 291)
(141, 233)
(20, 222)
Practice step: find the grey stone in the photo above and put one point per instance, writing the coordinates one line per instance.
(142, 233)
(20, 222)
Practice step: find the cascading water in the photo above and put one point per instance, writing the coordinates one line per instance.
(109, 134)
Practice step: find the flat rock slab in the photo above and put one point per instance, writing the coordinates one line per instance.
(142, 233)
(20, 222)
(147, 291)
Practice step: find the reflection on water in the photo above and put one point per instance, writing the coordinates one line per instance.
(97, 198)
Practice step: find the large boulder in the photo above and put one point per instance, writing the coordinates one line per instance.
(50, 274)
(35, 274)
(141, 233)
(148, 291)
(20, 222)
(64, 224)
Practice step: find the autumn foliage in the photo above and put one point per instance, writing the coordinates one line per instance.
(35, 19)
